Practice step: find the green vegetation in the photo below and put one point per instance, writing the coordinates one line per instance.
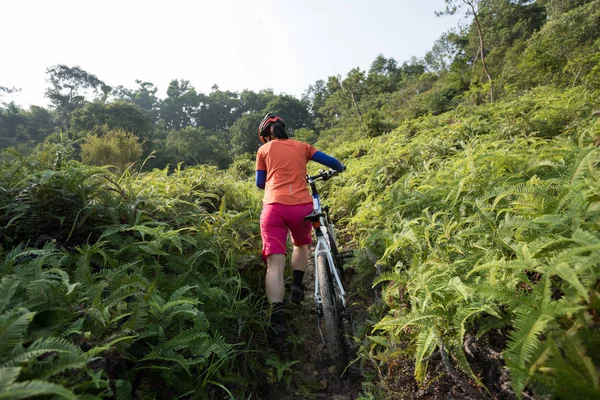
(141, 280)
(471, 198)
(487, 235)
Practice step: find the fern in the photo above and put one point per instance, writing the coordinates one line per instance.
(13, 326)
(536, 317)
(42, 347)
(8, 376)
(8, 287)
(426, 343)
(33, 389)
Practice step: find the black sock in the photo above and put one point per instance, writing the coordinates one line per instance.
(298, 275)
(277, 315)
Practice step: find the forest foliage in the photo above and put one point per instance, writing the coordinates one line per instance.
(129, 240)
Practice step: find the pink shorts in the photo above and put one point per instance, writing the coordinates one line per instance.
(275, 222)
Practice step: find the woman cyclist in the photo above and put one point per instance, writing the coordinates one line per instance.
(281, 172)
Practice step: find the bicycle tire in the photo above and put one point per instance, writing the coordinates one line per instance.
(332, 319)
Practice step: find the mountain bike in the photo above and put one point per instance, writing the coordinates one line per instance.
(330, 308)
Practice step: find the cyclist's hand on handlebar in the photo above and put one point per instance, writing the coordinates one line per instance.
(327, 174)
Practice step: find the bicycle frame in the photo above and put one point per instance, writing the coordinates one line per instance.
(320, 228)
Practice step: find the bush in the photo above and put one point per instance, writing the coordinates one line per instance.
(117, 148)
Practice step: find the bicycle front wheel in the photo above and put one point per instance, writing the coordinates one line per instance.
(332, 318)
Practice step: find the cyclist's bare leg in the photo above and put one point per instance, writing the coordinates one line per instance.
(300, 257)
(274, 284)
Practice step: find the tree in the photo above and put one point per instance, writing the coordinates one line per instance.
(251, 102)
(305, 135)
(558, 7)
(293, 111)
(355, 85)
(384, 75)
(471, 6)
(7, 90)
(194, 146)
(12, 126)
(179, 109)
(117, 148)
(69, 87)
(40, 123)
(115, 115)
(335, 103)
(412, 68)
(443, 52)
(577, 59)
(315, 97)
(144, 97)
(244, 134)
(219, 110)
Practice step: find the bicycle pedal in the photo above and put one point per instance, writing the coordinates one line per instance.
(315, 311)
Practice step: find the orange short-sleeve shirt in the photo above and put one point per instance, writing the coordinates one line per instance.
(285, 162)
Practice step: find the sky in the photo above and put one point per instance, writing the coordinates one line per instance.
(284, 45)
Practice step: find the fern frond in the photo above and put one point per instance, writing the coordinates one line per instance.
(186, 339)
(8, 287)
(121, 337)
(566, 272)
(35, 389)
(500, 265)
(586, 164)
(396, 325)
(176, 295)
(388, 276)
(218, 346)
(578, 355)
(500, 293)
(426, 343)
(161, 362)
(8, 376)
(460, 319)
(55, 364)
(532, 321)
(138, 318)
(64, 278)
(41, 347)
(13, 326)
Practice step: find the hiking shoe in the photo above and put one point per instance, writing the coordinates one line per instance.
(276, 334)
(297, 294)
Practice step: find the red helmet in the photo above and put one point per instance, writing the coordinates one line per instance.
(267, 121)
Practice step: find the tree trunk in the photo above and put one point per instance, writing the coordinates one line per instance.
(360, 118)
(353, 101)
(481, 47)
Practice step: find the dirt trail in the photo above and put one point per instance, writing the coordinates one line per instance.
(313, 376)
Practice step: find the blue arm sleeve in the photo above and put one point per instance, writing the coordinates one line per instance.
(328, 161)
(261, 178)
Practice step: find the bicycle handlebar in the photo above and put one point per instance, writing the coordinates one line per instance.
(322, 176)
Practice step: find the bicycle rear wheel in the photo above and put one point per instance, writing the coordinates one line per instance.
(332, 318)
